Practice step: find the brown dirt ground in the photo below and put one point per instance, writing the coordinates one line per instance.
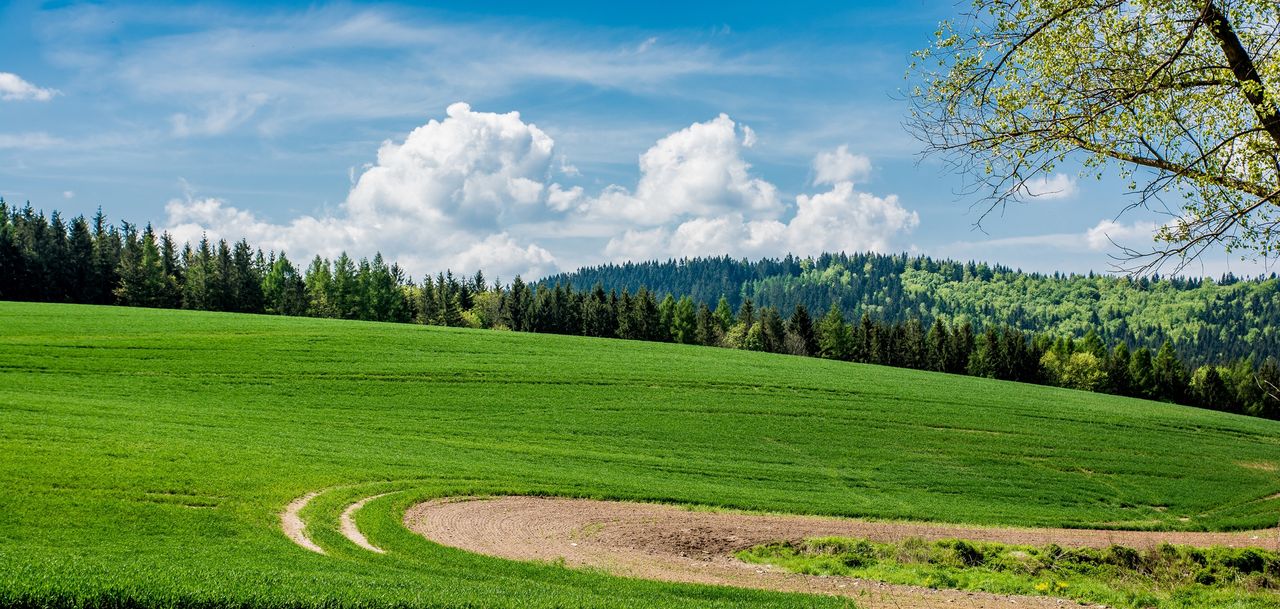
(671, 543)
(292, 524)
(347, 524)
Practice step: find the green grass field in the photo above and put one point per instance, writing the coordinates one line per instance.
(145, 455)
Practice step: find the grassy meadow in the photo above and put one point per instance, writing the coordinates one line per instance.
(145, 455)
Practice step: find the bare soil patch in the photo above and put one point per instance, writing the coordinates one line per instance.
(347, 525)
(1263, 466)
(670, 543)
(292, 525)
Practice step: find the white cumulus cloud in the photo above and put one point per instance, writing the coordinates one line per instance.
(475, 190)
(841, 219)
(438, 199)
(14, 88)
(697, 171)
(840, 165)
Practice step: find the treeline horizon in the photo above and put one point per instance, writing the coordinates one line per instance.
(94, 262)
(1207, 320)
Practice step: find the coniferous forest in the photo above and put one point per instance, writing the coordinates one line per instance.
(1188, 341)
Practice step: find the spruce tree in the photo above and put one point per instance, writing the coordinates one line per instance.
(801, 325)
(517, 305)
(746, 313)
(708, 332)
(833, 335)
(666, 319)
(428, 305)
(773, 332)
(246, 280)
(1142, 379)
(684, 322)
(1170, 375)
(142, 279)
(80, 266)
(938, 344)
(346, 288)
(11, 260)
(724, 314)
(107, 247)
(198, 269)
(1116, 368)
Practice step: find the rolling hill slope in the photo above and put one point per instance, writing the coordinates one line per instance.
(145, 455)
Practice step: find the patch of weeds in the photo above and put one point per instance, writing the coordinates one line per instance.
(1166, 576)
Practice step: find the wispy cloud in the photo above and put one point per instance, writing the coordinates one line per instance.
(38, 140)
(342, 63)
(14, 88)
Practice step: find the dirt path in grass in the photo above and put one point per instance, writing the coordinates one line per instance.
(294, 528)
(347, 525)
(674, 544)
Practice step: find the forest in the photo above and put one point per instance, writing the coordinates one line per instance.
(908, 312)
(1206, 320)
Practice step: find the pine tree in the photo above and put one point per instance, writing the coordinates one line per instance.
(724, 314)
(801, 325)
(986, 356)
(197, 268)
(1170, 375)
(914, 349)
(1141, 375)
(598, 317)
(56, 280)
(961, 348)
(107, 247)
(773, 332)
(863, 340)
(11, 260)
(142, 279)
(80, 267)
(1116, 368)
(833, 335)
(345, 292)
(708, 332)
(171, 266)
(746, 313)
(938, 345)
(517, 305)
(647, 317)
(684, 322)
(283, 290)
(626, 316)
(319, 282)
(245, 281)
(382, 292)
(451, 315)
(428, 305)
(666, 318)
(222, 290)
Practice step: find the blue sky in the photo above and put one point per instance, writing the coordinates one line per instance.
(644, 131)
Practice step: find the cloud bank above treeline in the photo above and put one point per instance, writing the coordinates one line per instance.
(481, 190)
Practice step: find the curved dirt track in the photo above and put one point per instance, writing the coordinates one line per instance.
(674, 544)
(347, 525)
(292, 525)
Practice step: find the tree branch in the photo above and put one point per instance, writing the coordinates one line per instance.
(1242, 67)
